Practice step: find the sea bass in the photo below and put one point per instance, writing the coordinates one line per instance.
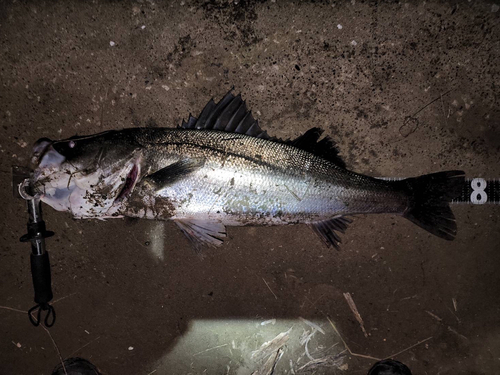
(221, 169)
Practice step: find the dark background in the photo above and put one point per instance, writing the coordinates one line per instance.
(365, 82)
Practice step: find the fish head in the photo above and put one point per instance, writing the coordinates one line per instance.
(89, 177)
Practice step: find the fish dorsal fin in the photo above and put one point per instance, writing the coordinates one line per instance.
(327, 230)
(230, 114)
(326, 148)
(202, 232)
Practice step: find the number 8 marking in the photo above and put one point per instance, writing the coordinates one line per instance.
(478, 195)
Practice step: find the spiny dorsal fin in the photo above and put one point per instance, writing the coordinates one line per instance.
(327, 230)
(326, 148)
(230, 114)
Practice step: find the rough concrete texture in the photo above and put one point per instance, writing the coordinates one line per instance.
(364, 72)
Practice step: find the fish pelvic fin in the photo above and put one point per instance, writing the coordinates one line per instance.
(327, 230)
(202, 233)
(430, 196)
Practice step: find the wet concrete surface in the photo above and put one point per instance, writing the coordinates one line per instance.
(131, 296)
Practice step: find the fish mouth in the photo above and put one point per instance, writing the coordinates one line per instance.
(129, 185)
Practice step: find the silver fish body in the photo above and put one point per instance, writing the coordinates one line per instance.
(242, 180)
(222, 170)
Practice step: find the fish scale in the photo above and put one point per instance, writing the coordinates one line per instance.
(293, 181)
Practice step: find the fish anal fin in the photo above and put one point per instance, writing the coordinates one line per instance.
(173, 172)
(325, 148)
(202, 233)
(327, 230)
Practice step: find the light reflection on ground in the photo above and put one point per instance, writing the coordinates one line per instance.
(256, 346)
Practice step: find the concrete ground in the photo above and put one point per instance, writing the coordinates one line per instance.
(135, 299)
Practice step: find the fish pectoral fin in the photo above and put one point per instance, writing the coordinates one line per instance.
(172, 173)
(327, 230)
(203, 233)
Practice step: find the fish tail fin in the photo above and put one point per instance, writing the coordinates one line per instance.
(430, 197)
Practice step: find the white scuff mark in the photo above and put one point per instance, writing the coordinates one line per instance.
(196, 53)
(339, 26)
(111, 43)
(304, 340)
(454, 300)
(148, 87)
(87, 332)
(18, 344)
(354, 43)
(143, 27)
(434, 316)
(312, 325)
(270, 321)
(131, 348)
(157, 246)
(165, 87)
(210, 349)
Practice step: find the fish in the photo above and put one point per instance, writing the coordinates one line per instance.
(221, 169)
